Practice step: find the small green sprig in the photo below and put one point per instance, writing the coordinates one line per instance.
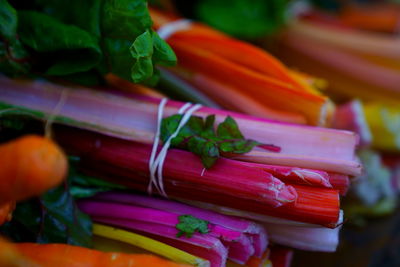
(189, 224)
(199, 137)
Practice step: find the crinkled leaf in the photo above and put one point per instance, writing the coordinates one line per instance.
(75, 38)
(64, 49)
(206, 149)
(163, 53)
(142, 51)
(87, 14)
(117, 58)
(142, 70)
(199, 137)
(238, 146)
(210, 154)
(142, 47)
(125, 19)
(228, 129)
(208, 129)
(188, 225)
(168, 127)
(153, 80)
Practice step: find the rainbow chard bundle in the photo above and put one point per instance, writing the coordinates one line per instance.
(237, 75)
(287, 177)
(203, 233)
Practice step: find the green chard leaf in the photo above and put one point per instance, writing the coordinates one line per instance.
(188, 225)
(83, 186)
(229, 129)
(82, 40)
(8, 16)
(142, 51)
(13, 56)
(64, 49)
(199, 137)
(52, 218)
(163, 54)
(126, 28)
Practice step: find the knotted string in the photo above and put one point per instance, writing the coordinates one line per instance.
(156, 162)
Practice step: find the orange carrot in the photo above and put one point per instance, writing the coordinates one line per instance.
(10, 257)
(30, 165)
(6, 210)
(62, 255)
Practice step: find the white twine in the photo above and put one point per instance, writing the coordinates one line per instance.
(156, 163)
(169, 29)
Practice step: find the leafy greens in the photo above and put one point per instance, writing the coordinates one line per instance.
(52, 218)
(199, 137)
(189, 224)
(81, 40)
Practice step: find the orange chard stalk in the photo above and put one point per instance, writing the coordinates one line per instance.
(265, 88)
(229, 98)
(220, 57)
(230, 49)
(11, 257)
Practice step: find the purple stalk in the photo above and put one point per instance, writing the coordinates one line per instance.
(135, 119)
(259, 240)
(241, 245)
(204, 246)
(228, 222)
(134, 213)
(241, 250)
(221, 223)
